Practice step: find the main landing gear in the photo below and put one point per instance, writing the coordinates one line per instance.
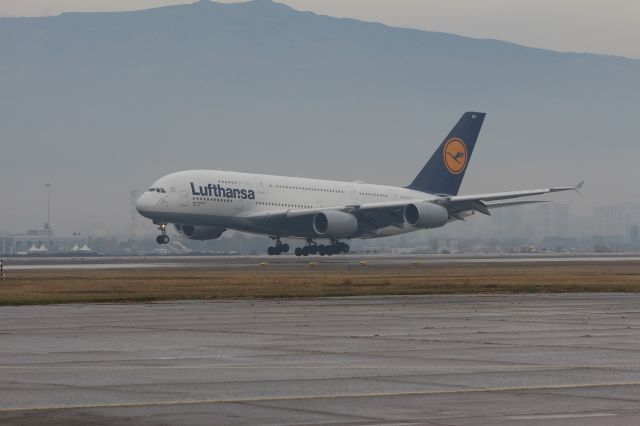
(162, 238)
(336, 247)
(279, 248)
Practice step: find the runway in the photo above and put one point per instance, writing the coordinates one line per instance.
(209, 261)
(565, 359)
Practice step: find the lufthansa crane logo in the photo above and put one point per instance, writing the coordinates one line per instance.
(455, 155)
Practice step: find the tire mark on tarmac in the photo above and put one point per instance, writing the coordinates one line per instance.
(311, 397)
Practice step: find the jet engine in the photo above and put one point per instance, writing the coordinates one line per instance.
(335, 224)
(201, 233)
(425, 215)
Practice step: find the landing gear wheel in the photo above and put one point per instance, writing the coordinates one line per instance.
(162, 238)
(274, 251)
(322, 250)
(305, 251)
(279, 248)
(298, 251)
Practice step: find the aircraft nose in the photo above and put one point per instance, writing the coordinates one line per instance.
(144, 204)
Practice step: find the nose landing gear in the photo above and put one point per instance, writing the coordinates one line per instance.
(162, 238)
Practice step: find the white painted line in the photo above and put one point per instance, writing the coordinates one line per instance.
(560, 416)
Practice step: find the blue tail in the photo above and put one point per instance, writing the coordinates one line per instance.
(444, 171)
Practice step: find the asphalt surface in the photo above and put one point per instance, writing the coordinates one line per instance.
(433, 360)
(126, 262)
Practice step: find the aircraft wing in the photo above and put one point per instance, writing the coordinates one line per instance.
(382, 214)
(513, 194)
(478, 202)
(514, 203)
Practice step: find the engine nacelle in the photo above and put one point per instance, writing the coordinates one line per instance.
(335, 224)
(201, 233)
(425, 215)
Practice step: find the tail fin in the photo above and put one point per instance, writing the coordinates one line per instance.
(444, 171)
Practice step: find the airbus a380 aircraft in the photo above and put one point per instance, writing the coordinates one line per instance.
(202, 204)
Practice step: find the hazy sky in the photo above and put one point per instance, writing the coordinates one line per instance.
(597, 26)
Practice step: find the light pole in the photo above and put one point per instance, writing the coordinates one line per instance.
(48, 186)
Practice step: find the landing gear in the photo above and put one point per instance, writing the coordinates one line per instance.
(335, 248)
(162, 238)
(306, 250)
(312, 248)
(279, 248)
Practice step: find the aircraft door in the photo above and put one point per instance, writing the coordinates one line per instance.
(184, 198)
(353, 194)
(237, 202)
(259, 188)
(259, 185)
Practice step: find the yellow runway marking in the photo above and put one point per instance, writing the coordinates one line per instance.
(312, 397)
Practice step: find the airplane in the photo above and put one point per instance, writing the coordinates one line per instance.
(203, 204)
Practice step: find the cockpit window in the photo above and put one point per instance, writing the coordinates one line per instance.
(152, 189)
(158, 190)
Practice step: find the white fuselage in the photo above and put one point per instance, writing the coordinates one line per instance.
(203, 204)
(227, 199)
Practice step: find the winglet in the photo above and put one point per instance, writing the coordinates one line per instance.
(578, 187)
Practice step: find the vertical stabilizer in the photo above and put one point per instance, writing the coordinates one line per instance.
(445, 169)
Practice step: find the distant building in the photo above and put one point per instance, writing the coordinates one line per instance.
(615, 219)
(45, 232)
(41, 241)
(634, 235)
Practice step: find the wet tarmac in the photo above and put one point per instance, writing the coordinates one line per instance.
(564, 359)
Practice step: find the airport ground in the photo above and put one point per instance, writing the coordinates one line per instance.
(47, 280)
(523, 359)
(422, 340)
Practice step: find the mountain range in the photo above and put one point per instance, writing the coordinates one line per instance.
(99, 103)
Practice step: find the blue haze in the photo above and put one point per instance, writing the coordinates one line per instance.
(99, 103)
